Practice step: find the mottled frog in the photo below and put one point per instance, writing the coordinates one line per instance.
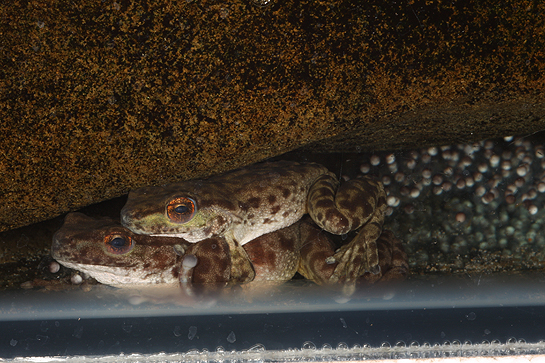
(115, 256)
(244, 204)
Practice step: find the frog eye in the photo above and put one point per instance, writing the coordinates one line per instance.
(118, 244)
(181, 209)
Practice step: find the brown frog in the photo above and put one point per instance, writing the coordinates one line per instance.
(115, 256)
(244, 204)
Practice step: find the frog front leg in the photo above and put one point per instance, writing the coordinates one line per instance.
(339, 209)
(242, 270)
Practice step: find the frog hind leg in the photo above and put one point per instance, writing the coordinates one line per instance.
(275, 255)
(393, 258)
(357, 203)
(315, 250)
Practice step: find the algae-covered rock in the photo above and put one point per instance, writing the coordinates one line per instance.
(97, 98)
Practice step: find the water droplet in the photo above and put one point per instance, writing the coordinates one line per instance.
(231, 338)
(512, 340)
(127, 328)
(308, 345)
(192, 332)
(342, 346)
(257, 348)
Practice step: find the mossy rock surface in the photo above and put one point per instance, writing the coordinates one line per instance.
(102, 97)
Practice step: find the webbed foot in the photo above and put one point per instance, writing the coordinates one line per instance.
(354, 260)
(341, 208)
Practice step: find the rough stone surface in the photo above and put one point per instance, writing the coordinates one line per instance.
(100, 97)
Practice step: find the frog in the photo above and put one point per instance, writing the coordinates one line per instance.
(115, 256)
(246, 203)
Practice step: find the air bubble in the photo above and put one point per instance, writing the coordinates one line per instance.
(342, 346)
(400, 344)
(192, 332)
(308, 345)
(231, 338)
(471, 316)
(257, 348)
(512, 340)
(327, 347)
(414, 344)
(385, 345)
(220, 349)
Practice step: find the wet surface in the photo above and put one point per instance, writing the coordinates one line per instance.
(497, 235)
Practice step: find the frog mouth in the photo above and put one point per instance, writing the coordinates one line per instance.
(121, 276)
(185, 237)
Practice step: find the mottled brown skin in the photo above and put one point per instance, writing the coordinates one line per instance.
(247, 203)
(341, 208)
(79, 244)
(276, 256)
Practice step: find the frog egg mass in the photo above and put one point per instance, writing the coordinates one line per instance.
(464, 200)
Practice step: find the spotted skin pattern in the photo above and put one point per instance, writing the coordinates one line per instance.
(244, 204)
(341, 208)
(203, 268)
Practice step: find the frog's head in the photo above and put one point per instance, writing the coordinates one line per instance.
(112, 254)
(177, 210)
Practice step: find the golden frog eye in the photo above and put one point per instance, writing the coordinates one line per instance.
(181, 209)
(118, 244)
